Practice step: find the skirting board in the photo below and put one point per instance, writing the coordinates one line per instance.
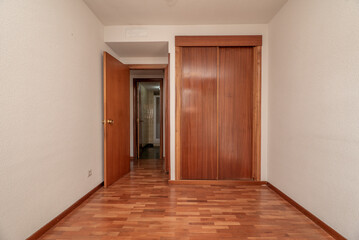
(53, 222)
(312, 217)
(215, 182)
(308, 214)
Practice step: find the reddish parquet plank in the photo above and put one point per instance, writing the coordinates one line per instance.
(142, 205)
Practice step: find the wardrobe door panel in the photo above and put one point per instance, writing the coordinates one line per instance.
(199, 113)
(235, 112)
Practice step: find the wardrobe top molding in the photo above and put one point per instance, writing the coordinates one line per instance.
(219, 41)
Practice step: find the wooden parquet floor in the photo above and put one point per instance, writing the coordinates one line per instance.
(142, 205)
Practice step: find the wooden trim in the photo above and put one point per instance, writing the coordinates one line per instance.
(167, 119)
(146, 66)
(256, 95)
(217, 113)
(215, 182)
(166, 85)
(134, 126)
(178, 72)
(161, 124)
(54, 221)
(218, 41)
(311, 216)
(104, 118)
(134, 119)
(256, 124)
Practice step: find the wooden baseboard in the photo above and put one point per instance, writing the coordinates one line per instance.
(215, 182)
(312, 217)
(53, 222)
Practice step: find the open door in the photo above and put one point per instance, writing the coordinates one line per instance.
(116, 119)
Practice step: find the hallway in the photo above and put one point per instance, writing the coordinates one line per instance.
(150, 153)
(142, 205)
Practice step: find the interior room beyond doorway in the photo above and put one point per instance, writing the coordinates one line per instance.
(149, 117)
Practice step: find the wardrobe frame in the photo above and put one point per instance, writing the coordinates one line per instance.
(254, 41)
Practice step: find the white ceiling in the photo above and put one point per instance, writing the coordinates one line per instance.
(184, 12)
(140, 49)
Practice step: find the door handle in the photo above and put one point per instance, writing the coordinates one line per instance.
(109, 121)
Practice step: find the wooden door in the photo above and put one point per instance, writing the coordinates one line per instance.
(116, 119)
(235, 112)
(199, 113)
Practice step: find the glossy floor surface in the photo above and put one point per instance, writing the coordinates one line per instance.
(150, 153)
(142, 205)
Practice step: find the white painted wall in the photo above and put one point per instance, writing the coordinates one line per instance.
(314, 108)
(51, 110)
(168, 33)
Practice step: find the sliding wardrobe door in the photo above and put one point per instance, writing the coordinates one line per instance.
(235, 112)
(198, 113)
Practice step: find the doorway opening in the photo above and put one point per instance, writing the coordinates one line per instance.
(148, 121)
(120, 141)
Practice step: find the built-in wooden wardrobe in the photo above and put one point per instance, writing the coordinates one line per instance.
(218, 81)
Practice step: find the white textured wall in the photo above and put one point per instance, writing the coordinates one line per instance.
(314, 108)
(50, 110)
(168, 33)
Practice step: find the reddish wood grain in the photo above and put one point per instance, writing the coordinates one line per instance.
(256, 130)
(116, 108)
(235, 112)
(199, 113)
(142, 205)
(167, 118)
(217, 41)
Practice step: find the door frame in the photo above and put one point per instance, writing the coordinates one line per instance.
(136, 81)
(254, 41)
(166, 90)
(155, 139)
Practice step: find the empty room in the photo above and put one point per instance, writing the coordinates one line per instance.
(179, 119)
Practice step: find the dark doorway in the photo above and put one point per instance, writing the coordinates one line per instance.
(148, 115)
